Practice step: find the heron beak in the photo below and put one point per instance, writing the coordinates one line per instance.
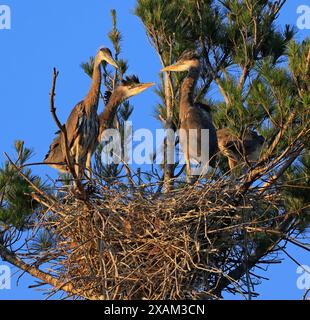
(144, 86)
(179, 66)
(141, 87)
(112, 62)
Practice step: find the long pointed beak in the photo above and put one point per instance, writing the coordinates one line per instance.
(147, 85)
(174, 67)
(112, 62)
(141, 87)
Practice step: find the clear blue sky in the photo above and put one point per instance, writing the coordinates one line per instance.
(61, 33)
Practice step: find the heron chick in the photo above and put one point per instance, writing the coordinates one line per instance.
(239, 149)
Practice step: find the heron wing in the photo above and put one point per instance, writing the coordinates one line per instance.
(203, 106)
(73, 126)
(54, 154)
(252, 142)
(74, 123)
(200, 119)
(229, 143)
(250, 145)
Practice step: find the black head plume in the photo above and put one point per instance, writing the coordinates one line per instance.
(129, 80)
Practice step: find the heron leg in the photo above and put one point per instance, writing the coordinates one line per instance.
(79, 164)
(232, 163)
(76, 165)
(236, 169)
(188, 162)
(88, 165)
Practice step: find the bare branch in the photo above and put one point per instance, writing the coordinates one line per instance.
(37, 273)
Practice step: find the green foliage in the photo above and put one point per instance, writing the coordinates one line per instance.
(115, 35)
(230, 35)
(245, 58)
(296, 185)
(17, 208)
(88, 67)
(44, 241)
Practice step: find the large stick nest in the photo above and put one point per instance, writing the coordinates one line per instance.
(124, 245)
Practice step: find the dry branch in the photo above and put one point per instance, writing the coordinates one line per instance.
(37, 273)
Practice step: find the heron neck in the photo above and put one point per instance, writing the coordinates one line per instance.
(106, 118)
(92, 98)
(187, 90)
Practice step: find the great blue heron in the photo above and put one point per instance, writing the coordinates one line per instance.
(193, 117)
(238, 149)
(127, 88)
(82, 125)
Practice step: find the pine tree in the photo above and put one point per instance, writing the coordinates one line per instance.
(146, 233)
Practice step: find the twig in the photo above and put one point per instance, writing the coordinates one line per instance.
(35, 272)
(298, 244)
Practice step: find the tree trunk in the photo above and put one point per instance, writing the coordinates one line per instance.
(168, 168)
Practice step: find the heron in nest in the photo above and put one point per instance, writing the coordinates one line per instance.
(193, 117)
(127, 88)
(82, 125)
(239, 149)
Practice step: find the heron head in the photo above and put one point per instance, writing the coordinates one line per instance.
(188, 60)
(131, 86)
(105, 54)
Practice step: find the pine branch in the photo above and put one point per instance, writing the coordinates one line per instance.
(20, 172)
(262, 250)
(282, 170)
(58, 285)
